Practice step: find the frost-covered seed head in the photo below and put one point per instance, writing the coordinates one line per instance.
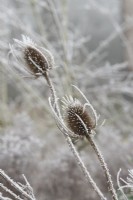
(37, 61)
(76, 116)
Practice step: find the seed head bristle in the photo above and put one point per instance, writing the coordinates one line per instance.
(77, 117)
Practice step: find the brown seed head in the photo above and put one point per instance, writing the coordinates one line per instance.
(35, 60)
(78, 119)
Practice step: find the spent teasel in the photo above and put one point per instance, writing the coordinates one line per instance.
(36, 61)
(77, 117)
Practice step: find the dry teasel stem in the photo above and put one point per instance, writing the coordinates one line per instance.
(103, 164)
(17, 191)
(68, 134)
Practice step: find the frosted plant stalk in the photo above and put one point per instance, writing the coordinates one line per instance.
(80, 123)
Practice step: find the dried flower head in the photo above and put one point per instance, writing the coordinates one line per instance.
(36, 61)
(77, 117)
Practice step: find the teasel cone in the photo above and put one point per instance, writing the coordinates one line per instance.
(77, 118)
(39, 64)
(34, 60)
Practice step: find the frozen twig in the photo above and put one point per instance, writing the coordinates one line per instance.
(19, 189)
(104, 166)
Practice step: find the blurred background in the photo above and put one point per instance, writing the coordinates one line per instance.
(92, 44)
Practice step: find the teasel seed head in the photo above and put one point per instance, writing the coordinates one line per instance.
(36, 60)
(77, 117)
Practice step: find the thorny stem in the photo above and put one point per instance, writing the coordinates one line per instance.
(10, 192)
(15, 186)
(83, 168)
(104, 166)
(53, 93)
(69, 141)
(51, 87)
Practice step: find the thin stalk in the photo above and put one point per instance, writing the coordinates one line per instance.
(51, 87)
(104, 166)
(53, 93)
(83, 168)
(14, 185)
(10, 192)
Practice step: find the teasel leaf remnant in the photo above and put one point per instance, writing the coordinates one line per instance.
(33, 60)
